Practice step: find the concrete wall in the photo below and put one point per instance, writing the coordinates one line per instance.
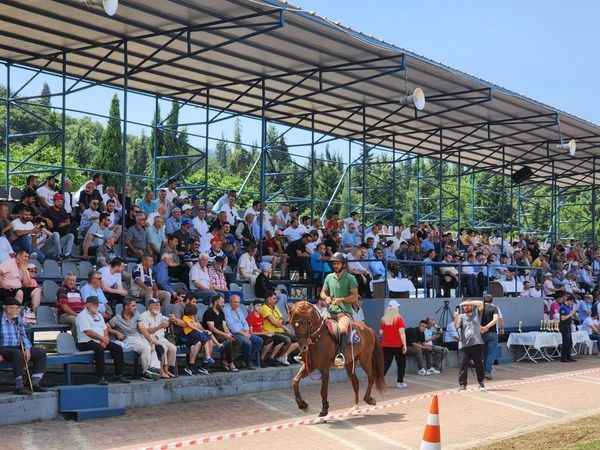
(23, 409)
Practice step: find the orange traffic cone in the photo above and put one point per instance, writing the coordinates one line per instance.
(431, 435)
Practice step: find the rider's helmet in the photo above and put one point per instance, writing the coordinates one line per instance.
(338, 256)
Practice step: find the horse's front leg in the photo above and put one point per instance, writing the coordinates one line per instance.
(324, 391)
(296, 385)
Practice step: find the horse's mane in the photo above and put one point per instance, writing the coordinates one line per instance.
(303, 308)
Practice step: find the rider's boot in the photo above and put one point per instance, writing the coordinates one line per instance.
(340, 360)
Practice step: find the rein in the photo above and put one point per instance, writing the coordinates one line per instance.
(312, 337)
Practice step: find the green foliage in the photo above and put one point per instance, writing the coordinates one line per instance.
(83, 140)
(110, 156)
(222, 152)
(240, 161)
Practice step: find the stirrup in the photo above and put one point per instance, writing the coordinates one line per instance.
(339, 361)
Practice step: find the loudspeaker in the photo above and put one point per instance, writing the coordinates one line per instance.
(522, 175)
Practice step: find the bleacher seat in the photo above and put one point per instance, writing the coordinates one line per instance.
(70, 267)
(51, 269)
(49, 288)
(85, 267)
(201, 310)
(46, 315)
(3, 193)
(16, 193)
(65, 344)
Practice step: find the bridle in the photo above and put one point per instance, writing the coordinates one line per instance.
(310, 336)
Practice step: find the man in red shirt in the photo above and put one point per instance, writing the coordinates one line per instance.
(394, 341)
(69, 301)
(255, 321)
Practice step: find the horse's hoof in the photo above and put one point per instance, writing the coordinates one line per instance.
(323, 413)
(370, 401)
(302, 405)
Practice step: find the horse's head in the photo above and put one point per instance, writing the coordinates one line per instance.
(306, 320)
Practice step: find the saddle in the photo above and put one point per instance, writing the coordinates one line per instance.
(334, 330)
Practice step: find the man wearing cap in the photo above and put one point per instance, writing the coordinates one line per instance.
(186, 236)
(46, 191)
(136, 240)
(59, 224)
(340, 291)
(92, 334)
(187, 211)
(12, 334)
(152, 324)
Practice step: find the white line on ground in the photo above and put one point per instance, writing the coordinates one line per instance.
(484, 398)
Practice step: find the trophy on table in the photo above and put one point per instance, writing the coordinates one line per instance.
(520, 326)
(542, 325)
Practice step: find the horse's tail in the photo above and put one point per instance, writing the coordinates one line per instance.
(377, 365)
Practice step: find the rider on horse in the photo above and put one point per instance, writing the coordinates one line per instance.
(340, 291)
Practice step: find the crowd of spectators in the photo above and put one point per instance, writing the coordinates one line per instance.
(174, 255)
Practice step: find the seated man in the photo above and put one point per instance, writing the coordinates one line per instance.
(299, 258)
(319, 265)
(12, 337)
(125, 328)
(92, 334)
(360, 272)
(112, 282)
(144, 286)
(59, 224)
(236, 322)
(217, 277)
(214, 321)
(93, 288)
(136, 239)
(69, 302)
(263, 282)
(340, 292)
(417, 346)
(88, 217)
(97, 234)
(247, 269)
(156, 236)
(591, 325)
(273, 323)
(152, 325)
(23, 233)
(200, 280)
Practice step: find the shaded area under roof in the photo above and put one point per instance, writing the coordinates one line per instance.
(248, 56)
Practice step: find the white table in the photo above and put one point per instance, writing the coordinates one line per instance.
(543, 345)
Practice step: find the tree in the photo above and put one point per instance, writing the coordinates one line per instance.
(153, 141)
(222, 152)
(45, 95)
(174, 143)
(240, 162)
(110, 156)
(83, 140)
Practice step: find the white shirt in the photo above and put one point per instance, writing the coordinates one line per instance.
(5, 249)
(292, 234)
(587, 325)
(110, 279)
(230, 212)
(86, 322)
(200, 226)
(106, 197)
(68, 202)
(349, 220)
(46, 193)
(375, 237)
(199, 275)
(151, 321)
(406, 235)
(467, 269)
(283, 219)
(17, 225)
(246, 266)
(400, 285)
(171, 195)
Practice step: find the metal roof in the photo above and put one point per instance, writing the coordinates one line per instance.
(311, 71)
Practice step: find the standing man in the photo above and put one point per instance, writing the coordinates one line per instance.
(489, 334)
(251, 344)
(340, 291)
(566, 312)
(12, 334)
(470, 344)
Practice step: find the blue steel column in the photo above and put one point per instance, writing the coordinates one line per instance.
(7, 129)
(124, 137)
(554, 218)
(63, 146)
(312, 166)
(394, 218)
(206, 131)
(349, 199)
(594, 202)
(440, 181)
(459, 182)
(418, 205)
(365, 153)
(155, 146)
(263, 161)
(502, 204)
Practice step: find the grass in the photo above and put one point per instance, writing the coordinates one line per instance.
(578, 435)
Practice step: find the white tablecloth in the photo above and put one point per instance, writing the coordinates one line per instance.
(541, 339)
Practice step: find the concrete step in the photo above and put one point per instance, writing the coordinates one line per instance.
(93, 413)
(72, 398)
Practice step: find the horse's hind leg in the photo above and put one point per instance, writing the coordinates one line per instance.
(296, 385)
(354, 380)
(365, 362)
(324, 390)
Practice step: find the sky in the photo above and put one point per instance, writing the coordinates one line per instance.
(544, 50)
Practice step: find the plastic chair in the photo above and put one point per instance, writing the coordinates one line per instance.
(51, 269)
(70, 267)
(85, 267)
(15, 193)
(65, 343)
(46, 315)
(49, 289)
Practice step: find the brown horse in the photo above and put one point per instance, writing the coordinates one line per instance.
(318, 349)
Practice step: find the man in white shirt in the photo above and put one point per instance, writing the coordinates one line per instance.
(283, 216)
(353, 219)
(112, 282)
(200, 280)
(230, 210)
(591, 325)
(293, 232)
(24, 234)
(152, 324)
(92, 334)
(201, 227)
(247, 269)
(171, 192)
(111, 194)
(407, 233)
(46, 192)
